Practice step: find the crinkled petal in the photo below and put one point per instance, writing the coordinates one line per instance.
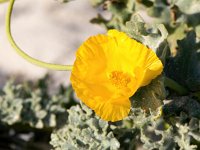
(111, 111)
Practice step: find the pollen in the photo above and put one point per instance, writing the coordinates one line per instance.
(119, 79)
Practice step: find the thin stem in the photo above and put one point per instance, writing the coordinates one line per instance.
(175, 86)
(22, 53)
(3, 1)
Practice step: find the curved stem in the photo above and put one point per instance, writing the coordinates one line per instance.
(22, 53)
(3, 1)
(175, 86)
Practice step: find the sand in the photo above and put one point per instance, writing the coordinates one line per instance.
(47, 30)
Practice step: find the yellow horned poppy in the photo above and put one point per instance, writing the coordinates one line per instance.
(109, 69)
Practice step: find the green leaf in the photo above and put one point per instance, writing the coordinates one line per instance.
(178, 34)
(34, 106)
(188, 6)
(186, 104)
(84, 130)
(151, 35)
(150, 96)
(184, 67)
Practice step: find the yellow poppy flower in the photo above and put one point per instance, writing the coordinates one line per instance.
(109, 69)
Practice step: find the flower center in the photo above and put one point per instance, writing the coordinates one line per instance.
(119, 79)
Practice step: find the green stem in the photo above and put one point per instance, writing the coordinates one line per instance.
(175, 86)
(196, 94)
(3, 1)
(22, 53)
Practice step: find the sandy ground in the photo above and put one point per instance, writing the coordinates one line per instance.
(47, 30)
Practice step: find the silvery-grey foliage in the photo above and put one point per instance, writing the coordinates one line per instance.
(19, 103)
(84, 131)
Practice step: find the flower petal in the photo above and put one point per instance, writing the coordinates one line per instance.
(111, 111)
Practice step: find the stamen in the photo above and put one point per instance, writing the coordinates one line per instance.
(119, 79)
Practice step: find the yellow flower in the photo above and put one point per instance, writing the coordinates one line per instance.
(109, 69)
